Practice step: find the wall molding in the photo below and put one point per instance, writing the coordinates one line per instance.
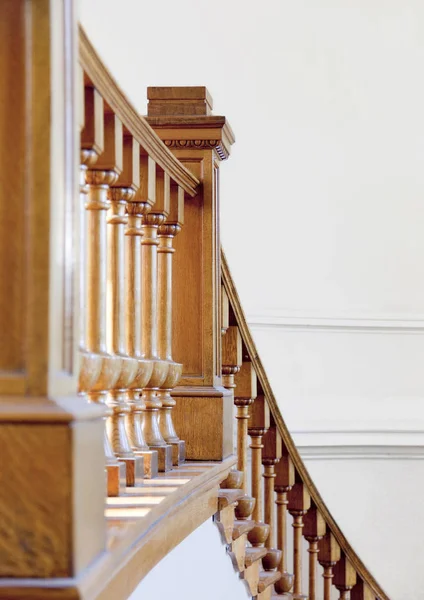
(362, 452)
(311, 320)
(343, 443)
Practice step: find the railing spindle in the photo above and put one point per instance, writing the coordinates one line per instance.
(329, 555)
(159, 192)
(284, 481)
(118, 396)
(299, 504)
(99, 179)
(167, 232)
(271, 454)
(313, 530)
(135, 208)
(344, 577)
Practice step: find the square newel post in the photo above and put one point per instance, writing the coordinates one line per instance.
(52, 475)
(182, 118)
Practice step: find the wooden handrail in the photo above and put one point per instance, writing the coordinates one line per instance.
(135, 124)
(246, 335)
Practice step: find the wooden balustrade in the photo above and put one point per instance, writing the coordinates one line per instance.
(284, 481)
(146, 227)
(314, 529)
(328, 557)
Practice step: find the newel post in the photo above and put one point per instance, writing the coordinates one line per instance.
(182, 118)
(52, 475)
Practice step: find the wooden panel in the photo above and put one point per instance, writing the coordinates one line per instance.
(50, 495)
(187, 298)
(213, 440)
(12, 188)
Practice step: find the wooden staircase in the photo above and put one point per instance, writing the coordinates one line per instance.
(125, 348)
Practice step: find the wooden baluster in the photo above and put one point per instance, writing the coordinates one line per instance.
(258, 425)
(259, 422)
(245, 390)
(244, 394)
(231, 356)
(135, 208)
(271, 454)
(329, 555)
(313, 530)
(361, 591)
(93, 145)
(344, 577)
(158, 187)
(232, 361)
(299, 504)
(118, 396)
(167, 232)
(284, 481)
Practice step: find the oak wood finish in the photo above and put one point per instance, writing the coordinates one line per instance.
(299, 504)
(136, 544)
(118, 396)
(135, 207)
(314, 529)
(49, 498)
(197, 286)
(284, 481)
(99, 176)
(136, 125)
(244, 394)
(167, 233)
(344, 577)
(156, 197)
(328, 557)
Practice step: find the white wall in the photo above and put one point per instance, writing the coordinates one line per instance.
(198, 567)
(322, 220)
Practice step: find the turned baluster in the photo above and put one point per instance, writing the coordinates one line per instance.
(158, 189)
(258, 424)
(313, 530)
(284, 481)
(344, 577)
(271, 454)
(135, 209)
(328, 556)
(167, 232)
(94, 146)
(245, 392)
(115, 301)
(361, 591)
(299, 504)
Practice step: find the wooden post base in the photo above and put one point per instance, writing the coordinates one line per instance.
(178, 452)
(212, 407)
(164, 457)
(116, 478)
(52, 486)
(151, 462)
(134, 470)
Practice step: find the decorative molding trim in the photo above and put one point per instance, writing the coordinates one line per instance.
(369, 322)
(388, 443)
(200, 144)
(361, 452)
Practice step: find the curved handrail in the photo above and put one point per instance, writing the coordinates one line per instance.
(137, 125)
(350, 553)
